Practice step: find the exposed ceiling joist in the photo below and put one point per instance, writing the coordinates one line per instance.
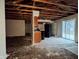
(49, 15)
(57, 4)
(19, 13)
(55, 9)
(31, 14)
(51, 3)
(38, 8)
(59, 7)
(17, 9)
(24, 10)
(43, 8)
(17, 1)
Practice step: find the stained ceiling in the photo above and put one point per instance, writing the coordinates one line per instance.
(49, 9)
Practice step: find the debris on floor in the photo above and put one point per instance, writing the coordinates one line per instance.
(32, 52)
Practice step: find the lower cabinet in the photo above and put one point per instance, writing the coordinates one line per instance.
(37, 36)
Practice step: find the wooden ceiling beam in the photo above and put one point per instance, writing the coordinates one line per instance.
(34, 7)
(14, 1)
(18, 13)
(10, 12)
(31, 14)
(11, 9)
(24, 10)
(17, 9)
(39, 8)
(41, 12)
(57, 4)
(28, 13)
(49, 15)
(13, 15)
(25, 13)
(53, 13)
(17, 1)
(43, 8)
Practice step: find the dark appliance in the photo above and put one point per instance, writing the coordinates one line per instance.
(42, 35)
(48, 30)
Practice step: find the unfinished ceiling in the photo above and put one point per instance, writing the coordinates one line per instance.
(49, 9)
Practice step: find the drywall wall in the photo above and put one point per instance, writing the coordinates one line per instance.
(2, 31)
(28, 28)
(76, 29)
(54, 29)
(41, 27)
(59, 26)
(15, 27)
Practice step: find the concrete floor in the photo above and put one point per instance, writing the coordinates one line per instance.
(49, 48)
(59, 43)
(32, 52)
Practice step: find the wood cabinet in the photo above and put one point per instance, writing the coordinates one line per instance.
(37, 36)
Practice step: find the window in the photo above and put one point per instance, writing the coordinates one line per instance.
(68, 29)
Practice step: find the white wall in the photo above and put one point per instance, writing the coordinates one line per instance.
(59, 26)
(41, 27)
(15, 27)
(76, 29)
(2, 30)
(54, 28)
(58, 30)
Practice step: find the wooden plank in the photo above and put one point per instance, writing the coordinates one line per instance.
(27, 14)
(18, 9)
(25, 10)
(12, 12)
(23, 13)
(45, 21)
(42, 8)
(45, 15)
(34, 7)
(17, 1)
(57, 4)
(19, 13)
(39, 8)
(50, 15)
(11, 9)
(43, 12)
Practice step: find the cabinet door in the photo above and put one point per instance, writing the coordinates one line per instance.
(37, 37)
